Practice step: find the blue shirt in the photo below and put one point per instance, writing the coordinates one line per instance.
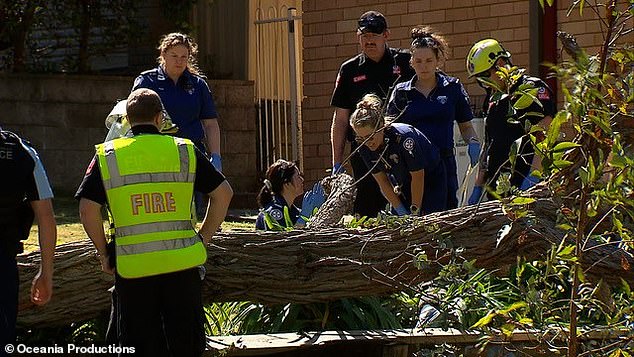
(275, 209)
(187, 102)
(434, 116)
(408, 150)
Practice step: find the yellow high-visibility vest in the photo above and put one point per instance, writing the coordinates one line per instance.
(149, 183)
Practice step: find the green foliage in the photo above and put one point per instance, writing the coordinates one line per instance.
(79, 333)
(344, 314)
(56, 36)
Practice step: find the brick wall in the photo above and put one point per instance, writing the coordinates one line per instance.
(63, 116)
(329, 39)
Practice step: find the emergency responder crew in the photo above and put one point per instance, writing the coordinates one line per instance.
(147, 182)
(375, 70)
(25, 193)
(406, 165)
(283, 184)
(501, 128)
(186, 97)
(432, 101)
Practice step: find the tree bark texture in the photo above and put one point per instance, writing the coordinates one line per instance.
(305, 266)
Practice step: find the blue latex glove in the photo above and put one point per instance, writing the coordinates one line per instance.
(401, 210)
(474, 152)
(529, 182)
(216, 161)
(475, 195)
(337, 168)
(313, 198)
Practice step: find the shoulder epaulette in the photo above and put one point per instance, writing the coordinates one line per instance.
(152, 71)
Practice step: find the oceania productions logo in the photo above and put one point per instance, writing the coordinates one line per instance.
(68, 349)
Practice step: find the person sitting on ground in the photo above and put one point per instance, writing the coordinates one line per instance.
(283, 184)
(405, 164)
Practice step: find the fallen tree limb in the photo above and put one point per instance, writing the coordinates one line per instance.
(309, 266)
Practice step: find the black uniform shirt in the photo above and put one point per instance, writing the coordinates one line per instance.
(500, 134)
(360, 75)
(207, 177)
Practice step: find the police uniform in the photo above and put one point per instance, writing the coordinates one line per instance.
(500, 134)
(275, 209)
(434, 116)
(409, 150)
(357, 77)
(188, 101)
(162, 303)
(23, 180)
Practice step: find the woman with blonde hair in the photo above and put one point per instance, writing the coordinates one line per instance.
(405, 164)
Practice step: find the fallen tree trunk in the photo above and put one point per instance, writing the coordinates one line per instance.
(309, 266)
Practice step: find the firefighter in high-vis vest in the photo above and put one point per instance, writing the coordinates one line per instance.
(147, 183)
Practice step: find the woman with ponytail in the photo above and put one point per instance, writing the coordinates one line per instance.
(282, 185)
(432, 100)
(405, 164)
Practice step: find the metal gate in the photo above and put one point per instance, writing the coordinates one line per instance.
(277, 85)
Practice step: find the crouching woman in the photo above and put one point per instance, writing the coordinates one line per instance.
(283, 184)
(405, 164)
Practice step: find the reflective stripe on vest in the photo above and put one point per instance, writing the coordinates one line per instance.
(149, 185)
(116, 181)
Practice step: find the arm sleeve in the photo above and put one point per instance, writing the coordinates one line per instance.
(39, 187)
(463, 105)
(415, 159)
(208, 107)
(547, 108)
(91, 186)
(139, 82)
(207, 177)
(395, 106)
(341, 94)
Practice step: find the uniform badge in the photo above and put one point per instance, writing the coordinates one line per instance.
(442, 99)
(396, 70)
(543, 94)
(359, 78)
(189, 89)
(409, 144)
(276, 214)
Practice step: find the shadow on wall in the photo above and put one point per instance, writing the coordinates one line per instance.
(63, 116)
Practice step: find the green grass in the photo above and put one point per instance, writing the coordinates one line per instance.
(69, 228)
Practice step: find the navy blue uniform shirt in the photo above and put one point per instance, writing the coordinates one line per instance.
(500, 134)
(23, 180)
(275, 209)
(434, 116)
(188, 101)
(408, 150)
(207, 177)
